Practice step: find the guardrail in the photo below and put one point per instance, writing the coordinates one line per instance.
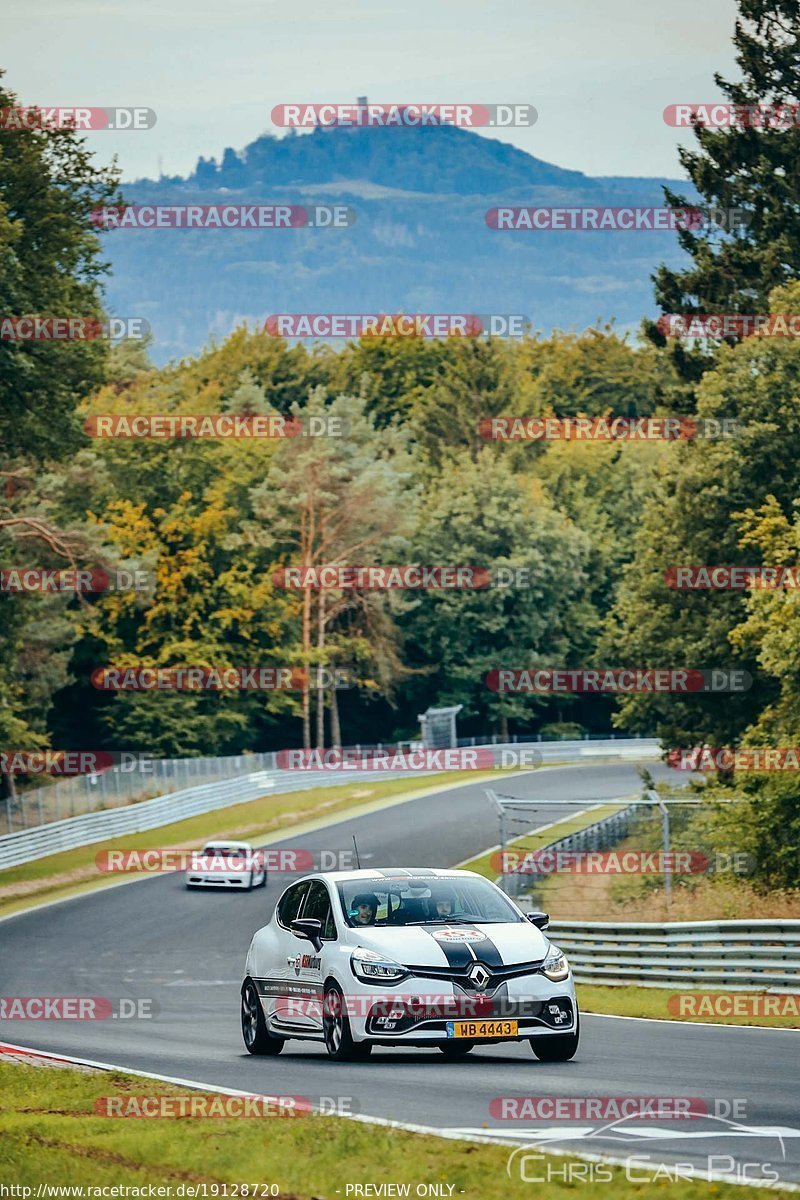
(28, 844)
(734, 955)
(40, 841)
(136, 777)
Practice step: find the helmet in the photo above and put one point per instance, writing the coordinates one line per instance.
(446, 896)
(368, 898)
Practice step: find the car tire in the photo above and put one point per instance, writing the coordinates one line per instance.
(457, 1048)
(560, 1048)
(264, 880)
(336, 1029)
(257, 1038)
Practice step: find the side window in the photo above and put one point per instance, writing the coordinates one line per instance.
(289, 904)
(318, 906)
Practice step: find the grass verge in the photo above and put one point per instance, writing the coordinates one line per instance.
(74, 871)
(51, 1135)
(654, 1002)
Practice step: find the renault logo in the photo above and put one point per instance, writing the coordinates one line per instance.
(479, 976)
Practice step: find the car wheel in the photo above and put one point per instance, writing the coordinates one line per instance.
(560, 1048)
(456, 1048)
(249, 884)
(264, 879)
(257, 1038)
(336, 1029)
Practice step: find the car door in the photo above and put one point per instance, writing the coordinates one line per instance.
(288, 998)
(308, 966)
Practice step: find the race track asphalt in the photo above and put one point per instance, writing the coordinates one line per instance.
(185, 950)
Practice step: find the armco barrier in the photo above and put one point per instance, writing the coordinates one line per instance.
(733, 955)
(42, 840)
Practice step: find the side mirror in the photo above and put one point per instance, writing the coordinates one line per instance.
(310, 929)
(540, 919)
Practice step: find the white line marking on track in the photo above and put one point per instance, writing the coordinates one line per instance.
(461, 1134)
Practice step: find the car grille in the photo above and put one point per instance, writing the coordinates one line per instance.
(461, 975)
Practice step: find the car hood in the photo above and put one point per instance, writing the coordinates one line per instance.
(455, 945)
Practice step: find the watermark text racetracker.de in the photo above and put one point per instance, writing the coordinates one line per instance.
(165, 426)
(422, 325)
(615, 220)
(72, 762)
(292, 860)
(77, 1008)
(200, 1105)
(74, 579)
(237, 678)
(72, 327)
(614, 1108)
(728, 578)
(404, 115)
(401, 576)
(689, 1006)
(223, 216)
(735, 758)
(729, 325)
(554, 861)
(710, 115)
(604, 429)
(78, 117)
(618, 681)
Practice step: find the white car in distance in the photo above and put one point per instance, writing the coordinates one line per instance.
(227, 865)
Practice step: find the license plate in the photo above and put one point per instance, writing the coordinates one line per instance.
(481, 1029)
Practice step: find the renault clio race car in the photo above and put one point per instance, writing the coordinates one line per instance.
(227, 865)
(410, 956)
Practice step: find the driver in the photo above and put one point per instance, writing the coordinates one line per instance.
(364, 908)
(443, 904)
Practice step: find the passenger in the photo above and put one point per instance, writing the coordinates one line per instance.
(443, 904)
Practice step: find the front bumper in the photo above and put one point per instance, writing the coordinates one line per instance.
(419, 1015)
(233, 879)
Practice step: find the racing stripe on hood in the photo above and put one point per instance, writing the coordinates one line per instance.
(463, 954)
(487, 952)
(456, 953)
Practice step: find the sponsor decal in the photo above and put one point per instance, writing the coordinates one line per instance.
(305, 962)
(458, 935)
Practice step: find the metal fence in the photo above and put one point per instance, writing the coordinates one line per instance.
(125, 783)
(40, 840)
(29, 844)
(139, 779)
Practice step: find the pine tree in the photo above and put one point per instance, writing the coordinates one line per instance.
(748, 167)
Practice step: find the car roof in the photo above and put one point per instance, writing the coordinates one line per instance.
(395, 874)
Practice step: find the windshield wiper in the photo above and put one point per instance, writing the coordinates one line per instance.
(452, 921)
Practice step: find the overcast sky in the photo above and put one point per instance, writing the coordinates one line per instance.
(600, 74)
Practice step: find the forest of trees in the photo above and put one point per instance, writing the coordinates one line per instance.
(596, 525)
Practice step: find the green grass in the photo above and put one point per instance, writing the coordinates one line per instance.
(50, 1135)
(535, 841)
(74, 871)
(653, 1002)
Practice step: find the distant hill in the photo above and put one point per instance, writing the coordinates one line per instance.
(419, 243)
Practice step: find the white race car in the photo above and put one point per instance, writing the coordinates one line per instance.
(413, 957)
(227, 865)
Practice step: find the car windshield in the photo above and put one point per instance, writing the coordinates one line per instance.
(223, 852)
(424, 901)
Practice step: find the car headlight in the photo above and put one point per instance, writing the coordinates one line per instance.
(374, 968)
(555, 966)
